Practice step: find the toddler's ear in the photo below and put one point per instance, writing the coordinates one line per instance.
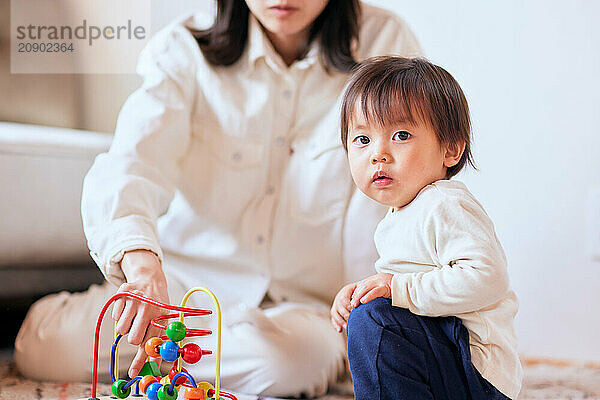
(453, 153)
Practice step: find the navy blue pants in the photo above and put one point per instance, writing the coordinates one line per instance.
(395, 354)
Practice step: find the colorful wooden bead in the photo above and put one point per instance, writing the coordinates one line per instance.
(195, 394)
(181, 380)
(208, 388)
(192, 353)
(151, 391)
(147, 381)
(118, 391)
(164, 394)
(152, 347)
(176, 331)
(169, 350)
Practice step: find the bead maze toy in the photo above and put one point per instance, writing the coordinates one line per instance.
(168, 347)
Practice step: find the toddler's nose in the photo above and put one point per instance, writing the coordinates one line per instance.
(380, 158)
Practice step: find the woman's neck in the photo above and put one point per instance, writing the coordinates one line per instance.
(289, 47)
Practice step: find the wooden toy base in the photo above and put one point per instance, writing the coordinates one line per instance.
(130, 397)
(112, 397)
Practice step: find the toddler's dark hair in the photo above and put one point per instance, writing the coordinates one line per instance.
(392, 90)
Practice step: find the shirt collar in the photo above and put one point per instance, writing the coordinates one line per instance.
(259, 47)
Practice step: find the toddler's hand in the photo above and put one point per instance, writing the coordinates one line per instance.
(378, 285)
(340, 310)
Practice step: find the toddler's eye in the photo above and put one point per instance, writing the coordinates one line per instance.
(361, 140)
(401, 136)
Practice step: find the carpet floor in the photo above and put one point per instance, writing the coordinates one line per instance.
(543, 380)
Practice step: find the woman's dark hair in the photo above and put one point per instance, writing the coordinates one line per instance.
(391, 90)
(335, 29)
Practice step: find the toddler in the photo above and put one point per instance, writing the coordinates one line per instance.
(436, 321)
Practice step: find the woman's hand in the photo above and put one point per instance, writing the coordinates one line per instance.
(340, 310)
(378, 285)
(145, 277)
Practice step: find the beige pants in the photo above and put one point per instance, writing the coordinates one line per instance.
(285, 350)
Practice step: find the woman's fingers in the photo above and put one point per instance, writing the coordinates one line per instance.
(138, 327)
(138, 362)
(118, 307)
(141, 356)
(127, 316)
(119, 304)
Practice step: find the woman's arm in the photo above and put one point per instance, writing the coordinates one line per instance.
(128, 188)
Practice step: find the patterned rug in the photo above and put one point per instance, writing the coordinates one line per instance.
(543, 380)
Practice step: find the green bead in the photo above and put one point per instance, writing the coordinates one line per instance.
(176, 331)
(117, 389)
(150, 368)
(163, 393)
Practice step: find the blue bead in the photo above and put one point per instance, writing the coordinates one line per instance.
(152, 391)
(168, 350)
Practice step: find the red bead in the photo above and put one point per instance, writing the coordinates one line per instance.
(152, 347)
(174, 372)
(191, 353)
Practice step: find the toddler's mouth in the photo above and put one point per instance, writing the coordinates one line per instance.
(381, 179)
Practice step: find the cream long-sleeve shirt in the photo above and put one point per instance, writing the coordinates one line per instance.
(236, 176)
(446, 260)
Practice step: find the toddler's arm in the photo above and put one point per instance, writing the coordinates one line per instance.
(473, 271)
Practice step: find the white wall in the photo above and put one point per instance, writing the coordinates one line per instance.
(531, 72)
(104, 94)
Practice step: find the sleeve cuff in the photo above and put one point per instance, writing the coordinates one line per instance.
(120, 240)
(400, 291)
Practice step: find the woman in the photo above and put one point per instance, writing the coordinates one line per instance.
(226, 171)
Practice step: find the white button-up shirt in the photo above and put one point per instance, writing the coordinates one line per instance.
(236, 176)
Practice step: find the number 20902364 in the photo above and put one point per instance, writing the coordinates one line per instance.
(44, 47)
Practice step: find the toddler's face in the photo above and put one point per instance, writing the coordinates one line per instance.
(392, 164)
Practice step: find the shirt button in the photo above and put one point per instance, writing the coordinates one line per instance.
(260, 239)
(237, 156)
(270, 190)
(287, 93)
(280, 141)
